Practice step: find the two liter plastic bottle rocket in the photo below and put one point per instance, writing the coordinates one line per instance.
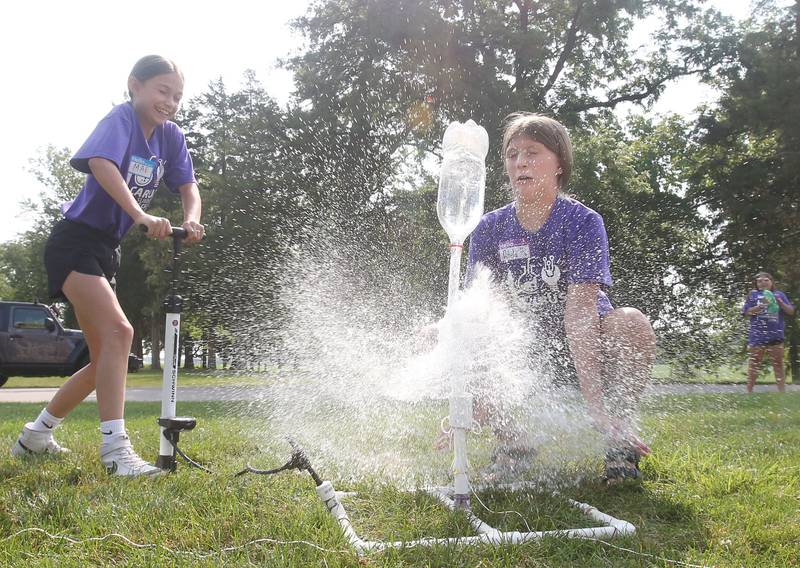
(462, 179)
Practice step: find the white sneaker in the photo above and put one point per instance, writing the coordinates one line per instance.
(31, 442)
(119, 459)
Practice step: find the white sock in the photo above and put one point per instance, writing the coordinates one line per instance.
(111, 429)
(46, 422)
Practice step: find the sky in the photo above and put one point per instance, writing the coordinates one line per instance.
(66, 63)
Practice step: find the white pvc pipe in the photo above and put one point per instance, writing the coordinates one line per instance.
(478, 525)
(455, 272)
(487, 534)
(327, 495)
(622, 527)
(460, 421)
(460, 467)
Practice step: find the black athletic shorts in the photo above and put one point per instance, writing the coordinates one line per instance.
(79, 247)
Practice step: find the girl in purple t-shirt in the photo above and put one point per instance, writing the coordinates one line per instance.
(765, 307)
(552, 251)
(129, 154)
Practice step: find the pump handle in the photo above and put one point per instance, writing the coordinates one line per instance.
(175, 232)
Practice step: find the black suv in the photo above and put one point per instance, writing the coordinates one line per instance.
(33, 343)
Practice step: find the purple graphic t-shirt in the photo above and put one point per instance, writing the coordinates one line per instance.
(571, 247)
(765, 327)
(144, 164)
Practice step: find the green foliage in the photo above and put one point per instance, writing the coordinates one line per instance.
(344, 163)
(662, 260)
(22, 260)
(61, 182)
(399, 71)
(394, 73)
(749, 148)
(748, 169)
(252, 210)
(22, 263)
(6, 290)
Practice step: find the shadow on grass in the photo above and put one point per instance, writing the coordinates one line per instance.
(667, 530)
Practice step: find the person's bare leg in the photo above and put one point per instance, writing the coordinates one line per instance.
(755, 355)
(776, 355)
(629, 350)
(72, 392)
(629, 346)
(109, 336)
(82, 383)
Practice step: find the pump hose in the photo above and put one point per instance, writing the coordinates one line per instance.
(298, 461)
(189, 460)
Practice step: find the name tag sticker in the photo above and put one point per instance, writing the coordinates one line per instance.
(511, 250)
(141, 167)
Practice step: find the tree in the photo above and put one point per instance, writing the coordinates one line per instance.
(662, 260)
(23, 259)
(749, 166)
(61, 183)
(393, 73)
(381, 79)
(252, 209)
(22, 262)
(375, 85)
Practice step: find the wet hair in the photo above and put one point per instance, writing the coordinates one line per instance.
(766, 275)
(150, 66)
(546, 131)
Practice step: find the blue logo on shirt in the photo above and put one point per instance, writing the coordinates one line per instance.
(144, 177)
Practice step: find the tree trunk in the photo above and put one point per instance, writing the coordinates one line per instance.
(797, 26)
(138, 344)
(155, 342)
(520, 62)
(188, 350)
(212, 354)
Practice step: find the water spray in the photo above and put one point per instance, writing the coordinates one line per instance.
(460, 207)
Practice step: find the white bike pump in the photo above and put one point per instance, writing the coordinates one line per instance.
(171, 425)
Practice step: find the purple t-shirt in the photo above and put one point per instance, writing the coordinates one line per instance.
(765, 327)
(571, 247)
(142, 163)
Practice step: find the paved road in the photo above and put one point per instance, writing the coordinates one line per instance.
(253, 392)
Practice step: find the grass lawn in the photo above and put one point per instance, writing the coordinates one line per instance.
(197, 378)
(148, 378)
(727, 374)
(722, 488)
